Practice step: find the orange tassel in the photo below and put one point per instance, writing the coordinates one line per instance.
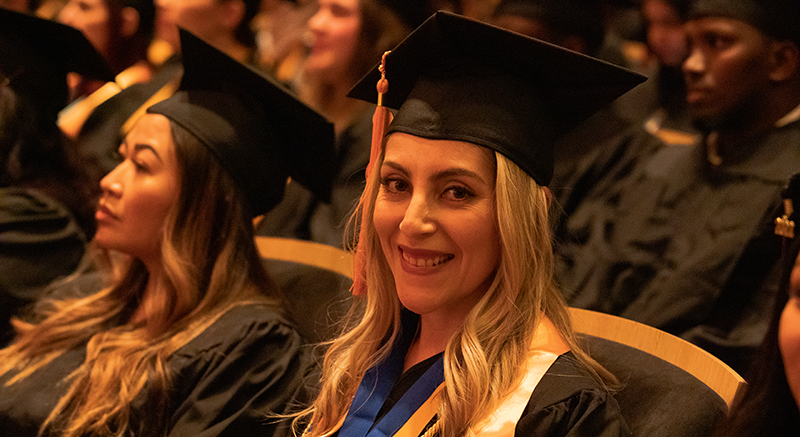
(380, 122)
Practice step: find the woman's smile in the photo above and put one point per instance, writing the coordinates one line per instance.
(424, 258)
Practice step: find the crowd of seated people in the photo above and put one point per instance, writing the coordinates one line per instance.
(662, 200)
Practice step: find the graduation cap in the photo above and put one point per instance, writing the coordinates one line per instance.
(777, 18)
(459, 79)
(35, 56)
(257, 129)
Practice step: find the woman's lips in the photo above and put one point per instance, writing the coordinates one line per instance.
(424, 258)
(103, 212)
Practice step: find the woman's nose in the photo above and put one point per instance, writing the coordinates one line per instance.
(418, 219)
(111, 184)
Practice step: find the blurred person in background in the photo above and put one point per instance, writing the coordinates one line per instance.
(280, 36)
(682, 240)
(225, 24)
(660, 103)
(346, 39)
(121, 30)
(47, 200)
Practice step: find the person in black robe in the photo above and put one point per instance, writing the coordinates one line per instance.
(190, 337)
(457, 326)
(47, 203)
(680, 238)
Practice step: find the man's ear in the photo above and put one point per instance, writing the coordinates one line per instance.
(129, 21)
(785, 61)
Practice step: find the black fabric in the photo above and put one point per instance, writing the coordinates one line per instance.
(569, 402)
(459, 79)
(574, 149)
(226, 381)
(259, 131)
(36, 56)
(40, 241)
(680, 245)
(776, 18)
(657, 399)
(317, 299)
(303, 215)
(102, 134)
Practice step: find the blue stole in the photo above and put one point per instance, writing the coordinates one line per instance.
(376, 386)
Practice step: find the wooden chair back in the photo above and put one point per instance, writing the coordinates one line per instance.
(677, 351)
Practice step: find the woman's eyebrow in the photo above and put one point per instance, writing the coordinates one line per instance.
(442, 174)
(140, 146)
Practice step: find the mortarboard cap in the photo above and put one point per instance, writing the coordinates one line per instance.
(257, 129)
(35, 56)
(460, 79)
(776, 18)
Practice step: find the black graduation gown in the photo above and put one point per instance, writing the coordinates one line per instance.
(301, 215)
(40, 241)
(246, 365)
(569, 402)
(321, 297)
(685, 246)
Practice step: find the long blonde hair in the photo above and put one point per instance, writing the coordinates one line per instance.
(210, 265)
(486, 358)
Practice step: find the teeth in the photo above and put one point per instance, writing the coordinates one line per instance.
(429, 262)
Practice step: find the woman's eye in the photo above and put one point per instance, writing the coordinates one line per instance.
(458, 193)
(140, 167)
(394, 185)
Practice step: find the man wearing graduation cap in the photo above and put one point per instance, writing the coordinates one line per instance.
(46, 200)
(459, 328)
(685, 243)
